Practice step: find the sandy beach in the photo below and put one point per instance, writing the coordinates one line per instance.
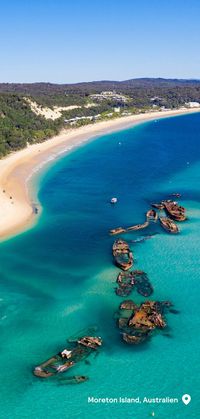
(16, 208)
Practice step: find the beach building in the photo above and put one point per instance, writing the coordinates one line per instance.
(109, 95)
(72, 121)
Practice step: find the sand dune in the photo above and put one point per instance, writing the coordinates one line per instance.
(55, 112)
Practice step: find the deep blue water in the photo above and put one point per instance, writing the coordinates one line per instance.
(58, 278)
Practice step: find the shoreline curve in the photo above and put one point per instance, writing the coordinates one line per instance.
(17, 212)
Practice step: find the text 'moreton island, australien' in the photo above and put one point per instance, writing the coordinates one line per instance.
(99, 209)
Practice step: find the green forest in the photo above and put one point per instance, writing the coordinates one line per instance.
(20, 126)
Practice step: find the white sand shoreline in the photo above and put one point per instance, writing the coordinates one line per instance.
(16, 209)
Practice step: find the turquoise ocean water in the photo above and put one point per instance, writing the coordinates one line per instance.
(58, 278)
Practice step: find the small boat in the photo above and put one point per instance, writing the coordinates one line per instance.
(152, 215)
(113, 200)
(117, 230)
(122, 255)
(174, 210)
(169, 225)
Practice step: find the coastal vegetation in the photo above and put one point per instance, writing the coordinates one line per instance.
(172, 92)
(80, 104)
(19, 126)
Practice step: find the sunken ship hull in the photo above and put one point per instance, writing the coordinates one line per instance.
(169, 225)
(123, 257)
(68, 358)
(175, 211)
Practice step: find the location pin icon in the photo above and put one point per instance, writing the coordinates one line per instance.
(186, 398)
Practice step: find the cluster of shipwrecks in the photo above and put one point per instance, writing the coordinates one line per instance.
(136, 322)
(174, 212)
(77, 350)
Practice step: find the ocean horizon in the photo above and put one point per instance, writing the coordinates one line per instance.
(58, 278)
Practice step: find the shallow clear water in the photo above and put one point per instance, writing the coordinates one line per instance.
(58, 278)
